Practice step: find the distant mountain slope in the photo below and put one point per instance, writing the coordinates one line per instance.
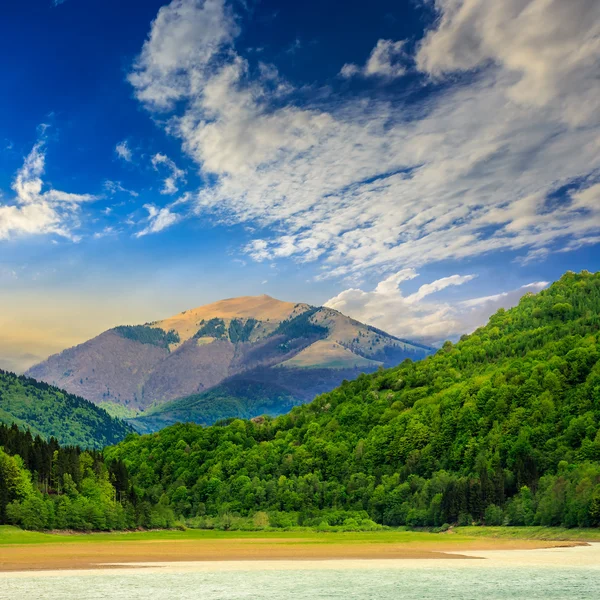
(237, 396)
(261, 391)
(50, 412)
(143, 367)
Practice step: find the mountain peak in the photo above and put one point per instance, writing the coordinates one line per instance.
(261, 308)
(286, 352)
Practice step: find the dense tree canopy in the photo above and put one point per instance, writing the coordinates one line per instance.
(502, 427)
(301, 326)
(45, 486)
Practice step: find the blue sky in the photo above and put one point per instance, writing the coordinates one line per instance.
(414, 164)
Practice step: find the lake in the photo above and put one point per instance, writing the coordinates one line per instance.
(562, 573)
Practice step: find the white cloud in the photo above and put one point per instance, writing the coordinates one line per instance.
(258, 250)
(350, 70)
(388, 59)
(476, 312)
(414, 317)
(36, 212)
(551, 48)
(437, 286)
(177, 175)
(124, 151)
(295, 46)
(184, 40)
(113, 187)
(107, 231)
(158, 219)
(371, 184)
(504, 299)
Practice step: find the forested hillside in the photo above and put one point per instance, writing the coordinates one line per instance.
(502, 427)
(45, 486)
(51, 412)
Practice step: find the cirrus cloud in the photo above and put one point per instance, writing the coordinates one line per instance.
(160, 219)
(480, 164)
(550, 46)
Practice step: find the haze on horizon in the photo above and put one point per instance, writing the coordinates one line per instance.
(414, 165)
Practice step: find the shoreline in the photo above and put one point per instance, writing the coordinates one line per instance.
(578, 557)
(118, 554)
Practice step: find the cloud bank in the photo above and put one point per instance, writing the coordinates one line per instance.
(419, 317)
(502, 152)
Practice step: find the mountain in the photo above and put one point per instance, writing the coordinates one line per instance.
(49, 412)
(238, 357)
(501, 428)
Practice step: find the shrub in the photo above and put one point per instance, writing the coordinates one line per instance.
(493, 515)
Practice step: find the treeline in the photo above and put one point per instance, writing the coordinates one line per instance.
(501, 428)
(45, 486)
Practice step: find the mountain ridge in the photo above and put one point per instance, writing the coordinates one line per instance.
(142, 367)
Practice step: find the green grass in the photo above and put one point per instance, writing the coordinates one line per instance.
(118, 410)
(13, 535)
(532, 533)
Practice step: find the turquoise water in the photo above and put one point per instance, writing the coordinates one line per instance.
(407, 583)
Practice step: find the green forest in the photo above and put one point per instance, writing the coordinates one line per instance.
(50, 412)
(46, 486)
(502, 428)
(301, 326)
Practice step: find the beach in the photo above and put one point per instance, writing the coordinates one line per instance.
(558, 573)
(44, 552)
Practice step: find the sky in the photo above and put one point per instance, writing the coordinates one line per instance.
(415, 164)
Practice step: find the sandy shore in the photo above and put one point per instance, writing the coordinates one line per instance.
(100, 555)
(584, 557)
